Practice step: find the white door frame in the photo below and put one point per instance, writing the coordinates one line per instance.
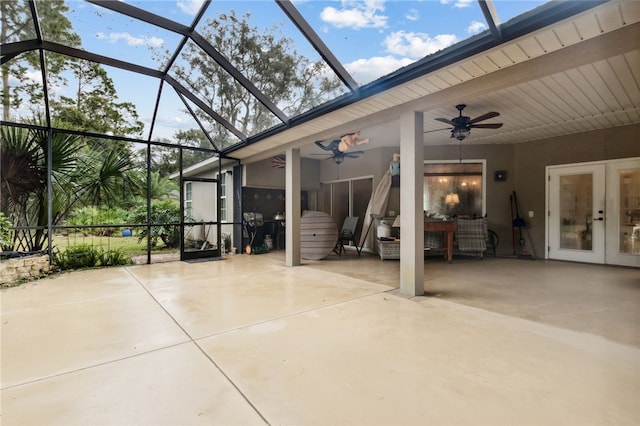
(596, 254)
(613, 255)
(610, 245)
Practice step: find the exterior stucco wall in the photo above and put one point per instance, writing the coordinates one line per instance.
(525, 166)
(261, 174)
(531, 158)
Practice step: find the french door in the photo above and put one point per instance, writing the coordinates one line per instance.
(594, 212)
(347, 198)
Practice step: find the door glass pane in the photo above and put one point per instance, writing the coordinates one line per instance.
(362, 190)
(325, 199)
(630, 211)
(340, 202)
(576, 211)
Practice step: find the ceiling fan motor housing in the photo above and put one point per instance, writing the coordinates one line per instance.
(462, 125)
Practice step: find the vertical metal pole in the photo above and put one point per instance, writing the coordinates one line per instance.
(148, 203)
(49, 193)
(181, 204)
(218, 208)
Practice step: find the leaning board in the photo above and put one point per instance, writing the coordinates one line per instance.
(318, 235)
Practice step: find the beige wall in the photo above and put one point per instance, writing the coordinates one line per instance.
(525, 166)
(261, 175)
(532, 157)
(373, 162)
(524, 163)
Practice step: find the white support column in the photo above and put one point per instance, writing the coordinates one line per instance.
(292, 207)
(411, 209)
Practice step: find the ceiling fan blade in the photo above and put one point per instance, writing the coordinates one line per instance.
(445, 120)
(354, 152)
(438, 130)
(486, 126)
(484, 117)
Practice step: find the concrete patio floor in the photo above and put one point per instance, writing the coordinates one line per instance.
(247, 340)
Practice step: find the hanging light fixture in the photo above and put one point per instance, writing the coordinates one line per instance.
(460, 133)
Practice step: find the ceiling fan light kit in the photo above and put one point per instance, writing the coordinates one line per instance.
(460, 133)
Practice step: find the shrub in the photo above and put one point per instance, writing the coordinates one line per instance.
(114, 258)
(101, 215)
(85, 256)
(6, 234)
(162, 212)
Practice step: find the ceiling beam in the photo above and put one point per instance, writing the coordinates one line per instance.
(539, 18)
(491, 16)
(142, 15)
(11, 50)
(167, 24)
(101, 59)
(298, 20)
(42, 59)
(239, 77)
(198, 121)
(599, 48)
(193, 98)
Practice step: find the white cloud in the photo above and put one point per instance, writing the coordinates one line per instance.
(356, 15)
(190, 7)
(367, 70)
(417, 45)
(131, 40)
(458, 3)
(34, 76)
(412, 15)
(475, 27)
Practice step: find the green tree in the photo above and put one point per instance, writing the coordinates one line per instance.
(79, 176)
(165, 215)
(162, 187)
(95, 107)
(164, 159)
(192, 138)
(268, 60)
(17, 25)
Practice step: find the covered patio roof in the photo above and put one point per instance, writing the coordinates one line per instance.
(549, 68)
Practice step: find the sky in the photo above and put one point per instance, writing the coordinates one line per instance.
(370, 38)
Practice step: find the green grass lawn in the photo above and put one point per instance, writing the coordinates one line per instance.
(127, 245)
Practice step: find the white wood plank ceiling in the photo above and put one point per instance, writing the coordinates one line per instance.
(578, 75)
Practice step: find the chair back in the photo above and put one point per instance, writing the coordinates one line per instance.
(349, 225)
(471, 235)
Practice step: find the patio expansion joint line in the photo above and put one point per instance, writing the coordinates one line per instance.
(292, 314)
(262, 322)
(99, 364)
(191, 339)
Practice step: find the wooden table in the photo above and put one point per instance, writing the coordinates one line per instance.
(318, 235)
(447, 227)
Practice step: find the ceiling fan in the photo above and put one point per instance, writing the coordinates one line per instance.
(462, 125)
(337, 155)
